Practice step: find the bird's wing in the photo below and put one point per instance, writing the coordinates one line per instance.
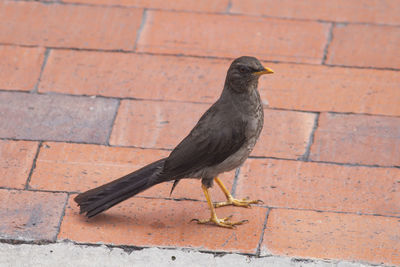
(216, 136)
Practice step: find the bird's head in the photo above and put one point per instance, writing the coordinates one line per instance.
(244, 72)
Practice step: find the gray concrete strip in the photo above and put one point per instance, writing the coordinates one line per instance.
(69, 254)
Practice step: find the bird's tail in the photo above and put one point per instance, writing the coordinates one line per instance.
(101, 198)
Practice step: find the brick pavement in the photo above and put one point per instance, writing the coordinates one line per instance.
(93, 89)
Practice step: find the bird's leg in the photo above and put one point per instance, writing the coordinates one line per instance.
(225, 222)
(232, 201)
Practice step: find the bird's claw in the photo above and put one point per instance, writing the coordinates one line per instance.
(244, 202)
(224, 222)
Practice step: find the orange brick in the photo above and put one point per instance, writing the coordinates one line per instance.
(357, 139)
(16, 159)
(187, 5)
(79, 167)
(293, 86)
(165, 223)
(152, 124)
(69, 25)
(163, 125)
(325, 235)
(365, 46)
(233, 36)
(371, 11)
(321, 88)
(318, 186)
(285, 134)
(30, 216)
(20, 67)
(128, 75)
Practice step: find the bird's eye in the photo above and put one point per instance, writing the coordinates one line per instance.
(242, 69)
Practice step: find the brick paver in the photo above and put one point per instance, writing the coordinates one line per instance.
(187, 5)
(125, 75)
(332, 235)
(293, 86)
(17, 62)
(91, 90)
(286, 134)
(16, 159)
(165, 223)
(230, 36)
(57, 117)
(357, 139)
(79, 167)
(366, 11)
(166, 124)
(365, 46)
(321, 88)
(153, 124)
(29, 215)
(74, 26)
(319, 186)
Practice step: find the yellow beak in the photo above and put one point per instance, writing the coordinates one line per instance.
(266, 71)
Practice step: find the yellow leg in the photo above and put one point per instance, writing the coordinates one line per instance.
(213, 219)
(232, 201)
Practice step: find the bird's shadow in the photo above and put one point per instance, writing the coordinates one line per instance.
(148, 218)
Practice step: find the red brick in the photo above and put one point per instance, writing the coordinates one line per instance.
(318, 186)
(20, 67)
(56, 117)
(79, 167)
(357, 139)
(152, 124)
(285, 134)
(69, 25)
(163, 125)
(325, 235)
(233, 36)
(165, 223)
(27, 215)
(365, 46)
(369, 11)
(321, 88)
(134, 75)
(16, 159)
(187, 5)
(293, 86)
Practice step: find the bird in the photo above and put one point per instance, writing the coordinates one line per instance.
(221, 141)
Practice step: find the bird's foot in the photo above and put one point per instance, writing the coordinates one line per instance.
(225, 222)
(238, 202)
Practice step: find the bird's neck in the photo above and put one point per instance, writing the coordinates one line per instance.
(245, 99)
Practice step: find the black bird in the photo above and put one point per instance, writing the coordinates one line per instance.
(220, 141)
